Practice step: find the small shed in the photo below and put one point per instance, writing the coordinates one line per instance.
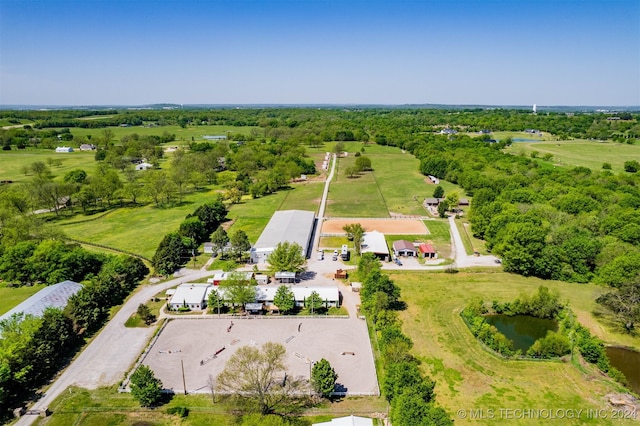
(427, 251)
(87, 147)
(64, 149)
(341, 274)
(262, 279)
(285, 277)
(254, 308)
(356, 287)
(208, 248)
(432, 202)
(404, 248)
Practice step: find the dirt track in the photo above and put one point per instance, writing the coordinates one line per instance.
(386, 226)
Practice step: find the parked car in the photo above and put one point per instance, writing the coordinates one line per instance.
(397, 261)
(320, 255)
(334, 257)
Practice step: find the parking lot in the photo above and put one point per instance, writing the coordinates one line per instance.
(194, 342)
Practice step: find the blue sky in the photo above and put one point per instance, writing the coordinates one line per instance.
(497, 52)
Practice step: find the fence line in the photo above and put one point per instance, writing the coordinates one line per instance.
(108, 248)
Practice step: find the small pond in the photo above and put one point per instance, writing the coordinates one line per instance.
(628, 362)
(522, 330)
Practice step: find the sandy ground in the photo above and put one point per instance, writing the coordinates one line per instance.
(386, 226)
(193, 343)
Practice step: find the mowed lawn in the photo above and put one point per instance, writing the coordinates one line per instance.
(135, 229)
(13, 162)
(591, 154)
(468, 376)
(395, 186)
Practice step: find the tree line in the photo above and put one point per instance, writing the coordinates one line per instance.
(409, 392)
(33, 349)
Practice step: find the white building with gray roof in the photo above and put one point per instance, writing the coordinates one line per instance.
(293, 226)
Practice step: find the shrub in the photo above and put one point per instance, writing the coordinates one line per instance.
(180, 411)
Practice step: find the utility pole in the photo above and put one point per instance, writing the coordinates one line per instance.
(184, 383)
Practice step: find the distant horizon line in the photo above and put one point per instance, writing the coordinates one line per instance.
(170, 105)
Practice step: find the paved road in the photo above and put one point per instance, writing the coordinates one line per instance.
(323, 205)
(112, 352)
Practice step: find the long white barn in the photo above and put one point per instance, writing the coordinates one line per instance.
(293, 226)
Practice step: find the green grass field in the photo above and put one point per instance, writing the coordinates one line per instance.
(136, 229)
(106, 406)
(470, 377)
(13, 162)
(11, 297)
(591, 154)
(182, 135)
(395, 186)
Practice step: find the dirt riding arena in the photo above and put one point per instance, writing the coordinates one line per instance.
(205, 345)
(386, 226)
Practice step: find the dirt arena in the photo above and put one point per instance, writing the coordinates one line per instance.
(386, 226)
(204, 346)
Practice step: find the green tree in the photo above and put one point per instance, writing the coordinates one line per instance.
(368, 264)
(145, 387)
(286, 257)
(323, 378)
(193, 228)
(363, 164)
(443, 207)
(238, 290)
(631, 166)
(219, 239)
(284, 299)
(402, 376)
(171, 254)
(552, 345)
(239, 243)
(355, 232)
(256, 375)
(438, 192)
(453, 199)
(313, 302)
(215, 301)
(144, 313)
(624, 303)
(211, 214)
(78, 176)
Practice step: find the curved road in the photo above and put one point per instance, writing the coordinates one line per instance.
(113, 351)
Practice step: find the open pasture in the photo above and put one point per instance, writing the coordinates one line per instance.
(580, 152)
(182, 135)
(196, 341)
(470, 377)
(13, 163)
(394, 187)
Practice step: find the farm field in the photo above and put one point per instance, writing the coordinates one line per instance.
(468, 376)
(136, 229)
(182, 135)
(106, 406)
(395, 186)
(582, 152)
(13, 162)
